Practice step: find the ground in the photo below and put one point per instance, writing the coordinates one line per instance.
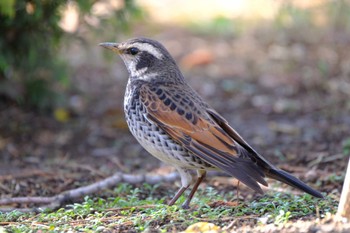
(286, 95)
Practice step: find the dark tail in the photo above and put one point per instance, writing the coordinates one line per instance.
(287, 178)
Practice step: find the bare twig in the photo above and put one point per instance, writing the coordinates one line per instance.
(27, 173)
(58, 200)
(25, 200)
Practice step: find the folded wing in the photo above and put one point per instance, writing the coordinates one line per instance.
(192, 126)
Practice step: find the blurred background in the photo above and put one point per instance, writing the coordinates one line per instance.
(278, 71)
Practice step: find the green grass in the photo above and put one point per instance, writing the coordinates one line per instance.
(128, 210)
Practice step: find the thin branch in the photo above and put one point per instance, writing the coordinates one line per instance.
(60, 199)
(25, 200)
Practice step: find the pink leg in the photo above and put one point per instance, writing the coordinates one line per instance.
(177, 195)
(186, 204)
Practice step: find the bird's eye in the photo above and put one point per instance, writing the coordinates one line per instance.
(133, 51)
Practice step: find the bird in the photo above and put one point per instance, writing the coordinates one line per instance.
(174, 124)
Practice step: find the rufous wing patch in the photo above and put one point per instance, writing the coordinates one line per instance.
(204, 138)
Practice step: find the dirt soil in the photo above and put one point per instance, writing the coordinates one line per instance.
(286, 95)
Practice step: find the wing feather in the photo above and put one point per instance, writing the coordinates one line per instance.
(200, 134)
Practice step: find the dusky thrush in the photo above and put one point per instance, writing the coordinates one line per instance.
(174, 124)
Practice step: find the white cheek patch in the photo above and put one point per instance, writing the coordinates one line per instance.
(141, 71)
(148, 48)
(131, 66)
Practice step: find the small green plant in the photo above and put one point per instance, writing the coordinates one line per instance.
(282, 217)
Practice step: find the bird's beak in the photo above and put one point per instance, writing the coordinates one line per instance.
(112, 46)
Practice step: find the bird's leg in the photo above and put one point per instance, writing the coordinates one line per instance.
(201, 176)
(177, 195)
(186, 179)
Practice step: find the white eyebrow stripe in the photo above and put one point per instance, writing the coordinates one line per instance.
(148, 48)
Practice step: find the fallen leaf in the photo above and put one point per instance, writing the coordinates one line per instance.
(202, 227)
(61, 114)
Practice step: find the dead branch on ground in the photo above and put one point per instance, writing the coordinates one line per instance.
(57, 201)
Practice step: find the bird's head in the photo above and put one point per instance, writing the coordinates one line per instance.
(146, 59)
